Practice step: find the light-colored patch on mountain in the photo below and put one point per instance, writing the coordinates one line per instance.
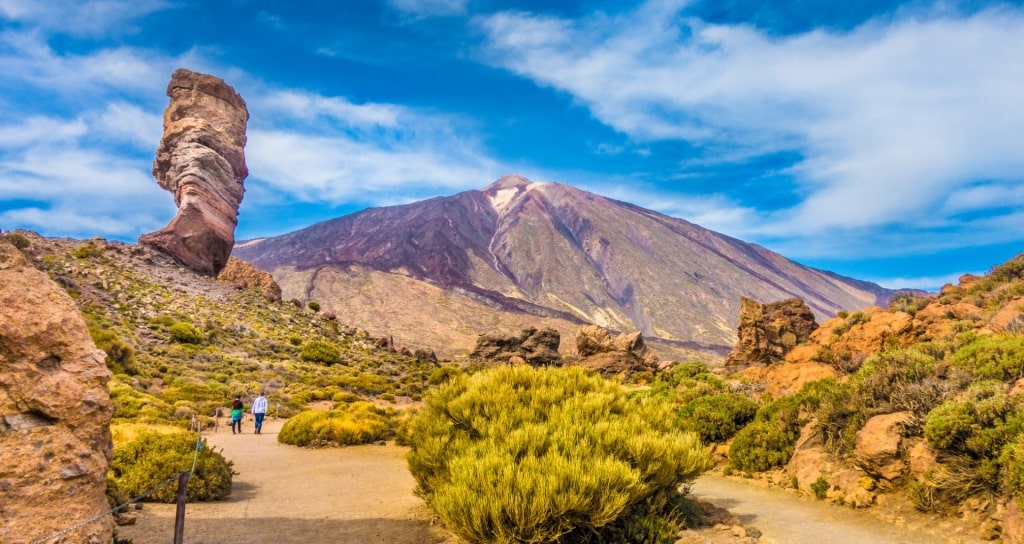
(388, 304)
(249, 243)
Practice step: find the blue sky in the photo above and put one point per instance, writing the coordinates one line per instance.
(880, 140)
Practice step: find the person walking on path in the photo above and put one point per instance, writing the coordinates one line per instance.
(236, 414)
(259, 411)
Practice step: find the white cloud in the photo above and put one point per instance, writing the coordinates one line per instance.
(40, 128)
(29, 60)
(88, 18)
(131, 124)
(429, 8)
(892, 118)
(309, 106)
(338, 168)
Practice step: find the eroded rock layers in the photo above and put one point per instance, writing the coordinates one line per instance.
(54, 411)
(201, 159)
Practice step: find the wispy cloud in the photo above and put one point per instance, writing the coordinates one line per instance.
(80, 165)
(429, 8)
(895, 120)
(95, 17)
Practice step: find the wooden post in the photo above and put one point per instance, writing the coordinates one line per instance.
(179, 516)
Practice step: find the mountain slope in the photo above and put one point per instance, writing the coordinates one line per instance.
(550, 250)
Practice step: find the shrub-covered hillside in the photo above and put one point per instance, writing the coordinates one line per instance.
(923, 400)
(180, 344)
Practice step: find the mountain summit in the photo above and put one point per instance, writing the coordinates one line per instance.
(441, 271)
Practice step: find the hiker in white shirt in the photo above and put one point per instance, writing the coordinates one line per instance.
(259, 410)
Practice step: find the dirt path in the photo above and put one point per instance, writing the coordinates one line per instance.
(288, 495)
(791, 519)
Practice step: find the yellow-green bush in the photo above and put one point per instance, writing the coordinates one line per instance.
(153, 457)
(185, 333)
(717, 417)
(995, 357)
(350, 424)
(517, 454)
(320, 351)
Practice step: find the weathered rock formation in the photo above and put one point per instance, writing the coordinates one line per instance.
(533, 347)
(767, 332)
(201, 160)
(879, 442)
(245, 275)
(54, 411)
(624, 354)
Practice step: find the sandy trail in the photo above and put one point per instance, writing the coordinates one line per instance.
(791, 519)
(288, 495)
(364, 494)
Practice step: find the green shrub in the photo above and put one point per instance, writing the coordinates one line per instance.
(120, 354)
(717, 417)
(909, 302)
(974, 433)
(517, 454)
(350, 424)
(185, 333)
(820, 487)
(320, 351)
(442, 374)
(994, 357)
(87, 250)
(154, 457)
(17, 240)
(763, 445)
(1012, 461)
(312, 305)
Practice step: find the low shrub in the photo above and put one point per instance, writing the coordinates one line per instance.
(976, 436)
(820, 487)
(992, 357)
(763, 445)
(185, 333)
(320, 351)
(153, 457)
(517, 454)
(17, 240)
(356, 423)
(717, 417)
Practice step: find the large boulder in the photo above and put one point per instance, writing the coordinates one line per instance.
(612, 356)
(878, 447)
(245, 275)
(201, 159)
(54, 411)
(767, 332)
(532, 346)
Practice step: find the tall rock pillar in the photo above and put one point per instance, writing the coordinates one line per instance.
(201, 159)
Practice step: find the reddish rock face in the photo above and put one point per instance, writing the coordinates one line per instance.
(622, 355)
(54, 411)
(767, 332)
(201, 159)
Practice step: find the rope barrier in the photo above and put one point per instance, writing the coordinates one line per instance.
(148, 492)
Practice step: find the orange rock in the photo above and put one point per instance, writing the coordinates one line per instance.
(788, 378)
(878, 445)
(54, 411)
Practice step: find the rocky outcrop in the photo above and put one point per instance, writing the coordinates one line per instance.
(533, 347)
(621, 355)
(878, 445)
(54, 411)
(767, 332)
(201, 160)
(245, 275)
